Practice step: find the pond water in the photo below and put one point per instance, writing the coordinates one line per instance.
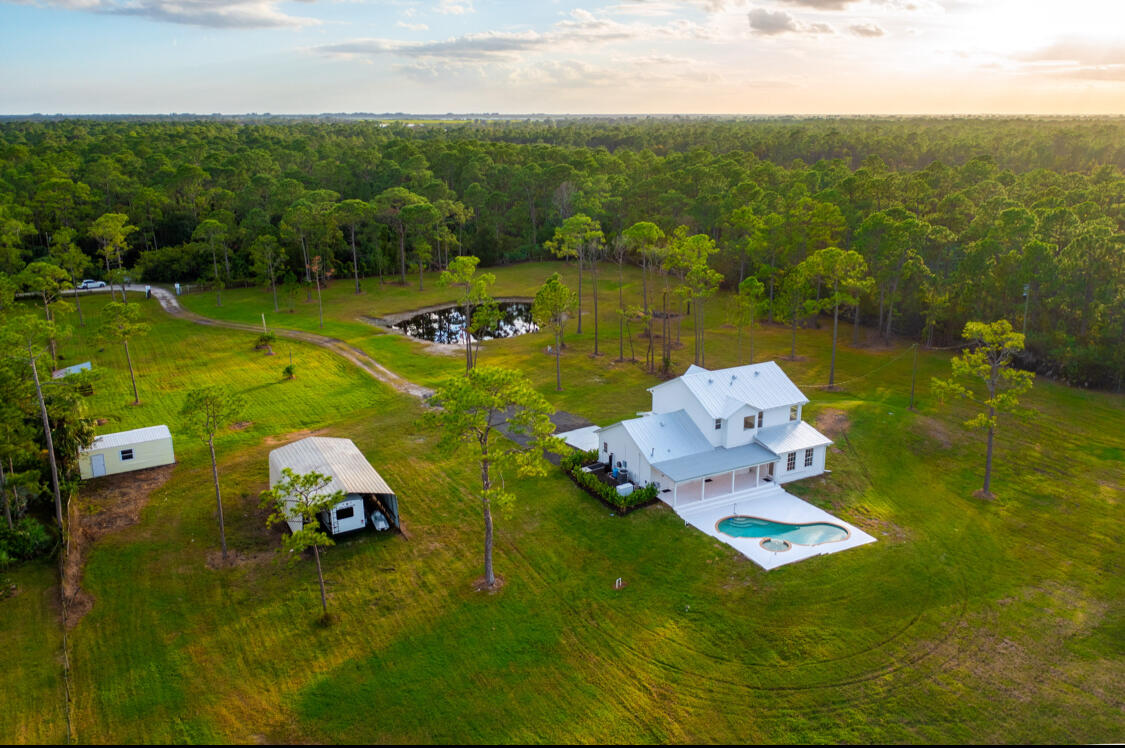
(447, 325)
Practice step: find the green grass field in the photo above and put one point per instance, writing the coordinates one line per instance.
(969, 621)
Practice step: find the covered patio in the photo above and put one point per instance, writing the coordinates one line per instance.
(712, 475)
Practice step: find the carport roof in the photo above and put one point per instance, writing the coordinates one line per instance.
(338, 458)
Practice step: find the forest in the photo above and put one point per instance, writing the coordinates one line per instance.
(956, 219)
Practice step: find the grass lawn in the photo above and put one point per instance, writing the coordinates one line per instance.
(1000, 621)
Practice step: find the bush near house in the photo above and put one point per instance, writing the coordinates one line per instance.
(607, 494)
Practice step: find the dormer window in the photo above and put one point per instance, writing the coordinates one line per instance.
(718, 424)
(792, 412)
(760, 414)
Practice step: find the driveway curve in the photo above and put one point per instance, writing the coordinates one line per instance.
(171, 304)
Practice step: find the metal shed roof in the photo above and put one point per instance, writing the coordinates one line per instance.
(125, 438)
(66, 371)
(718, 460)
(790, 437)
(722, 391)
(339, 459)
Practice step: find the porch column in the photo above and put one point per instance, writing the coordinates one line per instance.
(675, 486)
(732, 481)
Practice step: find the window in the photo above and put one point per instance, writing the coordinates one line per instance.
(718, 423)
(605, 446)
(346, 513)
(747, 423)
(792, 412)
(791, 461)
(808, 457)
(760, 414)
(126, 454)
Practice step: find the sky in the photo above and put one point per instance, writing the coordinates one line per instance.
(563, 57)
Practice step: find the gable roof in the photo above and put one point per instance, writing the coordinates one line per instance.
(665, 436)
(127, 438)
(339, 459)
(723, 391)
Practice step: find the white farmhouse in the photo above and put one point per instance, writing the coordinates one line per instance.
(712, 434)
(125, 451)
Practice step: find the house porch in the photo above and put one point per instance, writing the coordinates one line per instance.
(716, 485)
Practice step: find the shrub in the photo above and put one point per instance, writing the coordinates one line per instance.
(290, 371)
(572, 466)
(265, 340)
(27, 540)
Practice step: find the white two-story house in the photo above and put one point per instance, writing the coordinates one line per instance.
(712, 434)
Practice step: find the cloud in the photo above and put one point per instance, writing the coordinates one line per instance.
(1080, 51)
(770, 22)
(1078, 58)
(821, 4)
(669, 7)
(455, 7)
(580, 30)
(869, 30)
(413, 26)
(775, 22)
(228, 14)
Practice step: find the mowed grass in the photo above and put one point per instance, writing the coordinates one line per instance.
(969, 620)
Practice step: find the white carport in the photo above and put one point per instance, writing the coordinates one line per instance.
(350, 472)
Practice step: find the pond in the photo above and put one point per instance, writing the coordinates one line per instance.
(447, 325)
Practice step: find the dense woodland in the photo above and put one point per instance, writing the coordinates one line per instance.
(956, 219)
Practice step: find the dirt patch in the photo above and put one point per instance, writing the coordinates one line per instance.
(294, 436)
(236, 558)
(240, 426)
(105, 505)
(932, 428)
(832, 422)
(480, 585)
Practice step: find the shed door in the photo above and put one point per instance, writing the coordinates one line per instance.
(97, 465)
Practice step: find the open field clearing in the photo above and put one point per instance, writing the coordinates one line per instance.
(968, 620)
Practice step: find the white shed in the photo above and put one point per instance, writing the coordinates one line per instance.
(368, 495)
(126, 451)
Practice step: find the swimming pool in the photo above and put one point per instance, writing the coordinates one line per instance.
(809, 533)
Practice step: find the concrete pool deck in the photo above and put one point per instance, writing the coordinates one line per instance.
(772, 503)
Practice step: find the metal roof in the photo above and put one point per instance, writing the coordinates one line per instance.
(666, 436)
(790, 437)
(66, 371)
(584, 439)
(723, 391)
(134, 436)
(339, 459)
(717, 460)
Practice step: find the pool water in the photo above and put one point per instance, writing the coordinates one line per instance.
(812, 533)
(448, 325)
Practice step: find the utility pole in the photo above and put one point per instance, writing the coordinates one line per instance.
(1026, 304)
(50, 440)
(913, 376)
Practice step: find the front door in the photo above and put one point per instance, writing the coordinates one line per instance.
(97, 465)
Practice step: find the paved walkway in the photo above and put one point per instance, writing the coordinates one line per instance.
(171, 304)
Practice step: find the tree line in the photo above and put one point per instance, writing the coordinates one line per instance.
(954, 219)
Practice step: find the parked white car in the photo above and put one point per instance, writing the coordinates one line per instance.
(86, 284)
